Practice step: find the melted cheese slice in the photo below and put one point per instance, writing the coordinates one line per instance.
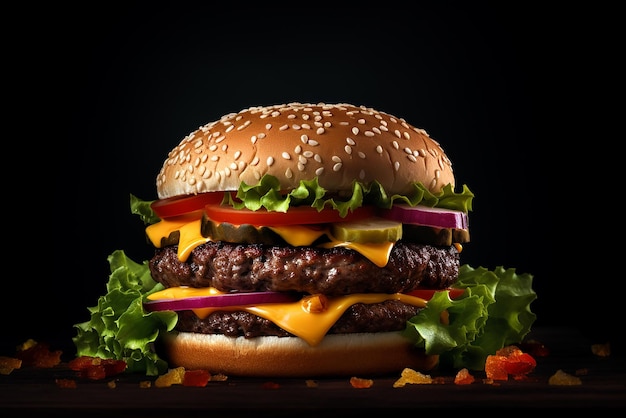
(292, 316)
(296, 235)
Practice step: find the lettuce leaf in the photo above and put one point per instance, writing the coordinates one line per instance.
(493, 312)
(119, 327)
(267, 194)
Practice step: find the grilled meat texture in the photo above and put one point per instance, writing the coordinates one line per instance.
(390, 315)
(335, 271)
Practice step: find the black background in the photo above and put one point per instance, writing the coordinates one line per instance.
(109, 91)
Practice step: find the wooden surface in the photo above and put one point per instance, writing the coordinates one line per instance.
(27, 391)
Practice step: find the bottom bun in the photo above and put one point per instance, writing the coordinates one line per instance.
(336, 355)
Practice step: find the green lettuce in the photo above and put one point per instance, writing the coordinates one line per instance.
(493, 312)
(267, 194)
(119, 327)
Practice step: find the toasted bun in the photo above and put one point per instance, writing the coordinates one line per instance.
(338, 143)
(337, 355)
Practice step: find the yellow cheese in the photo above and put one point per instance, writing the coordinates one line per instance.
(297, 235)
(189, 228)
(292, 316)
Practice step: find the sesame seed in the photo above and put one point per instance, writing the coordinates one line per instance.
(408, 150)
(300, 167)
(319, 131)
(304, 138)
(397, 133)
(362, 174)
(407, 135)
(369, 133)
(313, 143)
(306, 126)
(336, 159)
(288, 173)
(245, 125)
(298, 149)
(233, 166)
(268, 126)
(215, 157)
(350, 141)
(227, 171)
(396, 165)
(253, 139)
(270, 161)
(213, 147)
(379, 149)
(361, 154)
(254, 161)
(337, 166)
(355, 130)
(307, 154)
(230, 128)
(319, 171)
(317, 158)
(376, 130)
(395, 144)
(237, 155)
(361, 121)
(348, 149)
(284, 127)
(286, 155)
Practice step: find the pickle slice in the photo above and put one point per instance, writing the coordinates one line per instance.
(434, 236)
(243, 234)
(370, 230)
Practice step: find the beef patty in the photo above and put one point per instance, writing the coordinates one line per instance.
(335, 271)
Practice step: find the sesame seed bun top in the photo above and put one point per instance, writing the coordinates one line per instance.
(338, 143)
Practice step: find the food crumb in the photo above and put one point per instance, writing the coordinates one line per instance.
(111, 384)
(270, 385)
(172, 377)
(219, 377)
(145, 384)
(413, 377)
(360, 383)
(463, 377)
(601, 350)
(560, 378)
(311, 383)
(8, 364)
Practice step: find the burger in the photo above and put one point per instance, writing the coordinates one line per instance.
(306, 240)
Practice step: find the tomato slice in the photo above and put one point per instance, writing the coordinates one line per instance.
(180, 205)
(299, 215)
(427, 294)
